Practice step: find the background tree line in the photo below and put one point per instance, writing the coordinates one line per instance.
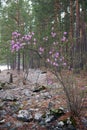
(39, 16)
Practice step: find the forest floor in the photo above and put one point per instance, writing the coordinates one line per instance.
(24, 102)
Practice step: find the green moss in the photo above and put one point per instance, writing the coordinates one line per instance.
(56, 112)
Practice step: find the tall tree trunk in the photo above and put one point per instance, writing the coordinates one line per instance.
(83, 27)
(18, 60)
(71, 20)
(77, 55)
(71, 34)
(56, 13)
(83, 35)
(18, 23)
(77, 25)
(23, 60)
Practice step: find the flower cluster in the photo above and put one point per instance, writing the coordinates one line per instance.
(41, 50)
(45, 38)
(55, 59)
(16, 34)
(18, 40)
(53, 34)
(64, 39)
(54, 56)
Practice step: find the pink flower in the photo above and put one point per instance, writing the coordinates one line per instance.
(64, 64)
(65, 33)
(54, 63)
(48, 60)
(53, 34)
(61, 59)
(14, 33)
(41, 50)
(50, 52)
(34, 43)
(32, 33)
(56, 54)
(12, 42)
(63, 39)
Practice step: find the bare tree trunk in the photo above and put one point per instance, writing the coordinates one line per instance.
(18, 60)
(77, 54)
(23, 60)
(71, 20)
(18, 23)
(56, 13)
(77, 25)
(71, 34)
(83, 35)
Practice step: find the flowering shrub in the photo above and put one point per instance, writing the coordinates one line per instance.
(51, 51)
(54, 59)
(18, 41)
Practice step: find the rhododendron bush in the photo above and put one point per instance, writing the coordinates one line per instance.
(50, 48)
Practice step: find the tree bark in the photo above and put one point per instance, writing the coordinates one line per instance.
(77, 25)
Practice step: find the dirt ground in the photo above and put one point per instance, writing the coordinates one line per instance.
(53, 88)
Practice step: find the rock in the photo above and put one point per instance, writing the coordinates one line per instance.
(1, 87)
(60, 124)
(7, 125)
(26, 92)
(14, 128)
(18, 124)
(38, 89)
(1, 105)
(57, 128)
(84, 121)
(24, 115)
(42, 122)
(11, 86)
(70, 127)
(2, 121)
(50, 105)
(37, 76)
(68, 122)
(38, 116)
(49, 119)
(15, 107)
(2, 113)
(46, 95)
(9, 97)
(14, 115)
